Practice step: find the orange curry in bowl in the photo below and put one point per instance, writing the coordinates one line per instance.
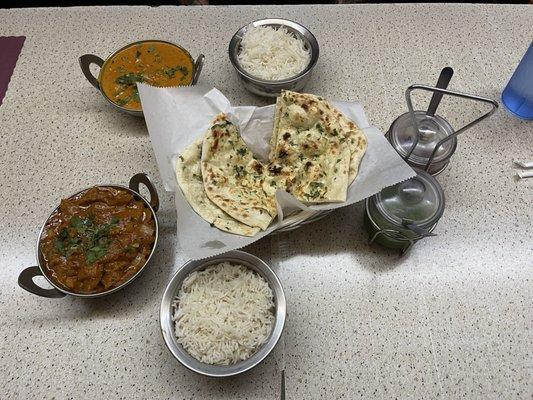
(97, 240)
(153, 62)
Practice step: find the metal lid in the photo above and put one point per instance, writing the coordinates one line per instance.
(402, 135)
(418, 201)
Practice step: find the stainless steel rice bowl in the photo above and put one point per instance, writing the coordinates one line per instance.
(167, 324)
(273, 88)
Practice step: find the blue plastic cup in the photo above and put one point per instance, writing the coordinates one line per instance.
(517, 96)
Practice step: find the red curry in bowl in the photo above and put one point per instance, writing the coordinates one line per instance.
(97, 240)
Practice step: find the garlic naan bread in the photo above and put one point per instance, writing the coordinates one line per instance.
(311, 147)
(233, 179)
(189, 177)
(356, 140)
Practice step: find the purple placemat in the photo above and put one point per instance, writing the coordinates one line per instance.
(10, 47)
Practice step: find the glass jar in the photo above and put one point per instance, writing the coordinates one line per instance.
(402, 135)
(402, 214)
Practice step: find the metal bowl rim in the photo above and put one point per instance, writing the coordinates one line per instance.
(195, 265)
(313, 45)
(99, 294)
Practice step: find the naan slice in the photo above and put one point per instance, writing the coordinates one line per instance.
(233, 179)
(356, 140)
(189, 177)
(309, 149)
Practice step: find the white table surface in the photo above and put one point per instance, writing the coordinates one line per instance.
(452, 320)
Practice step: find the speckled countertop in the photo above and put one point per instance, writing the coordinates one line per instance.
(452, 320)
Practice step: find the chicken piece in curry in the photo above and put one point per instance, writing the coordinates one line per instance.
(97, 240)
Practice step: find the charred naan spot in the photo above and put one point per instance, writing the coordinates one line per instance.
(351, 125)
(305, 146)
(286, 136)
(258, 168)
(215, 143)
(308, 165)
(282, 153)
(321, 112)
(305, 106)
(274, 169)
(210, 188)
(245, 215)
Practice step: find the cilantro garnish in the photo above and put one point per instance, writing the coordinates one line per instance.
(84, 235)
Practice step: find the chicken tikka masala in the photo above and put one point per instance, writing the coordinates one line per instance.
(97, 239)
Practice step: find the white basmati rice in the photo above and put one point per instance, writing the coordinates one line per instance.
(223, 314)
(272, 53)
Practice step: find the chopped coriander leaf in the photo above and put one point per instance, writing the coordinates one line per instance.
(95, 253)
(135, 95)
(241, 151)
(171, 72)
(312, 195)
(85, 235)
(240, 172)
(130, 78)
(316, 184)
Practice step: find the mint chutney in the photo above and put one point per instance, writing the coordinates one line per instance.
(400, 215)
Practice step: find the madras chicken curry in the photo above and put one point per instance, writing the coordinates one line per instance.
(155, 63)
(97, 240)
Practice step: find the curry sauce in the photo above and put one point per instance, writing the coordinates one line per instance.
(97, 240)
(155, 63)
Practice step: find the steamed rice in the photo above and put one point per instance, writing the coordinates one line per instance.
(223, 314)
(272, 53)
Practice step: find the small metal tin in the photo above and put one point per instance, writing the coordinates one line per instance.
(402, 135)
(167, 310)
(268, 88)
(87, 59)
(427, 141)
(404, 213)
(25, 279)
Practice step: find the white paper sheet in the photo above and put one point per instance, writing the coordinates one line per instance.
(175, 117)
